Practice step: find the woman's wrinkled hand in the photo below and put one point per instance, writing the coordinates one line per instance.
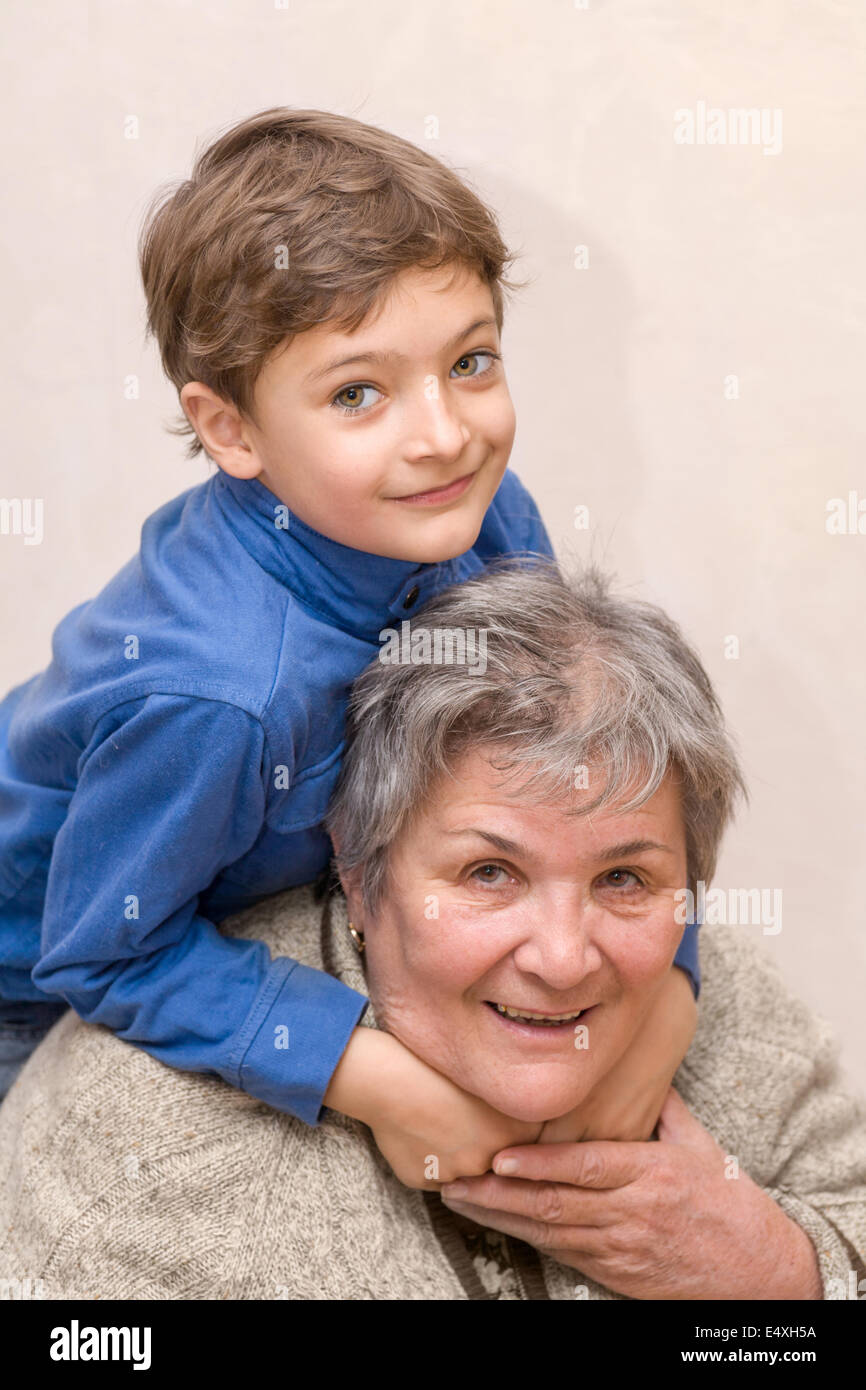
(675, 1219)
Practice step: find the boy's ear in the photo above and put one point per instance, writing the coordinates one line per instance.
(219, 426)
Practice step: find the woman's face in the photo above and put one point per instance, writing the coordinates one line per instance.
(494, 901)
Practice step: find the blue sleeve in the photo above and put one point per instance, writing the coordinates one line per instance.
(687, 956)
(171, 791)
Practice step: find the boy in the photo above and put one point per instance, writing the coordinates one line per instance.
(312, 289)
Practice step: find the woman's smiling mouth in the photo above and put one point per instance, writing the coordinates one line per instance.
(529, 1019)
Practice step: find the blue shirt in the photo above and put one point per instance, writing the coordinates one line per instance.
(173, 764)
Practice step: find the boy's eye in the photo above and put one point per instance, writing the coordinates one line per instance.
(463, 365)
(350, 398)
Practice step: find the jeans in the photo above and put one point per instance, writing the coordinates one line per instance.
(22, 1028)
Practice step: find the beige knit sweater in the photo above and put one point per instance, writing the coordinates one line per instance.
(122, 1178)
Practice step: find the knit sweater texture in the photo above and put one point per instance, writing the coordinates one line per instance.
(127, 1179)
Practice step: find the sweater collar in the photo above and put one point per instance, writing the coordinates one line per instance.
(350, 589)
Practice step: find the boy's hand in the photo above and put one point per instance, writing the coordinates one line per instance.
(627, 1102)
(428, 1129)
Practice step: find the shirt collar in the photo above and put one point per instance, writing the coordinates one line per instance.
(351, 589)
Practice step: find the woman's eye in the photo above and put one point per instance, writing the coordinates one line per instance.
(349, 400)
(623, 879)
(463, 365)
(488, 874)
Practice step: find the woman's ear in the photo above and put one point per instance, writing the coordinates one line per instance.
(354, 902)
(350, 879)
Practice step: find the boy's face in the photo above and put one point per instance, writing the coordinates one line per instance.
(399, 455)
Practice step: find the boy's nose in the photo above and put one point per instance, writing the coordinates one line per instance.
(434, 430)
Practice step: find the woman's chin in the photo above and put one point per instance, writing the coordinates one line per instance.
(535, 1100)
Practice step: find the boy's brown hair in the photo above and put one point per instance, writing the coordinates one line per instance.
(295, 218)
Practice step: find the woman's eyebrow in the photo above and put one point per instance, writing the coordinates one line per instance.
(621, 851)
(498, 841)
(629, 847)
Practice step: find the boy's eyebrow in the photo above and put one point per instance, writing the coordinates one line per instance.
(380, 358)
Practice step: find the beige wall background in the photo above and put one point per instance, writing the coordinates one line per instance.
(693, 378)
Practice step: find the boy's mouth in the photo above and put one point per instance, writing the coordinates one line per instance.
(438, 495)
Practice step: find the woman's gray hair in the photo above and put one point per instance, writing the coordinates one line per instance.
(574, 683)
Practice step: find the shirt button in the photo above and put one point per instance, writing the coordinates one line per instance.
(411, 596)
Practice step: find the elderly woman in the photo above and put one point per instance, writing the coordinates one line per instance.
(513, 840)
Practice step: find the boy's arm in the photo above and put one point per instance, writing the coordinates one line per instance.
(428, 1129)
(687, 957)
(170, 792)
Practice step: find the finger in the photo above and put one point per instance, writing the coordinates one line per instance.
(548, 1203)
(597, 1163)
(584, 1240)
(562, 1131)
(677, 1124)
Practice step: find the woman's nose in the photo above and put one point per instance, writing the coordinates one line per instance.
(560, 949)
